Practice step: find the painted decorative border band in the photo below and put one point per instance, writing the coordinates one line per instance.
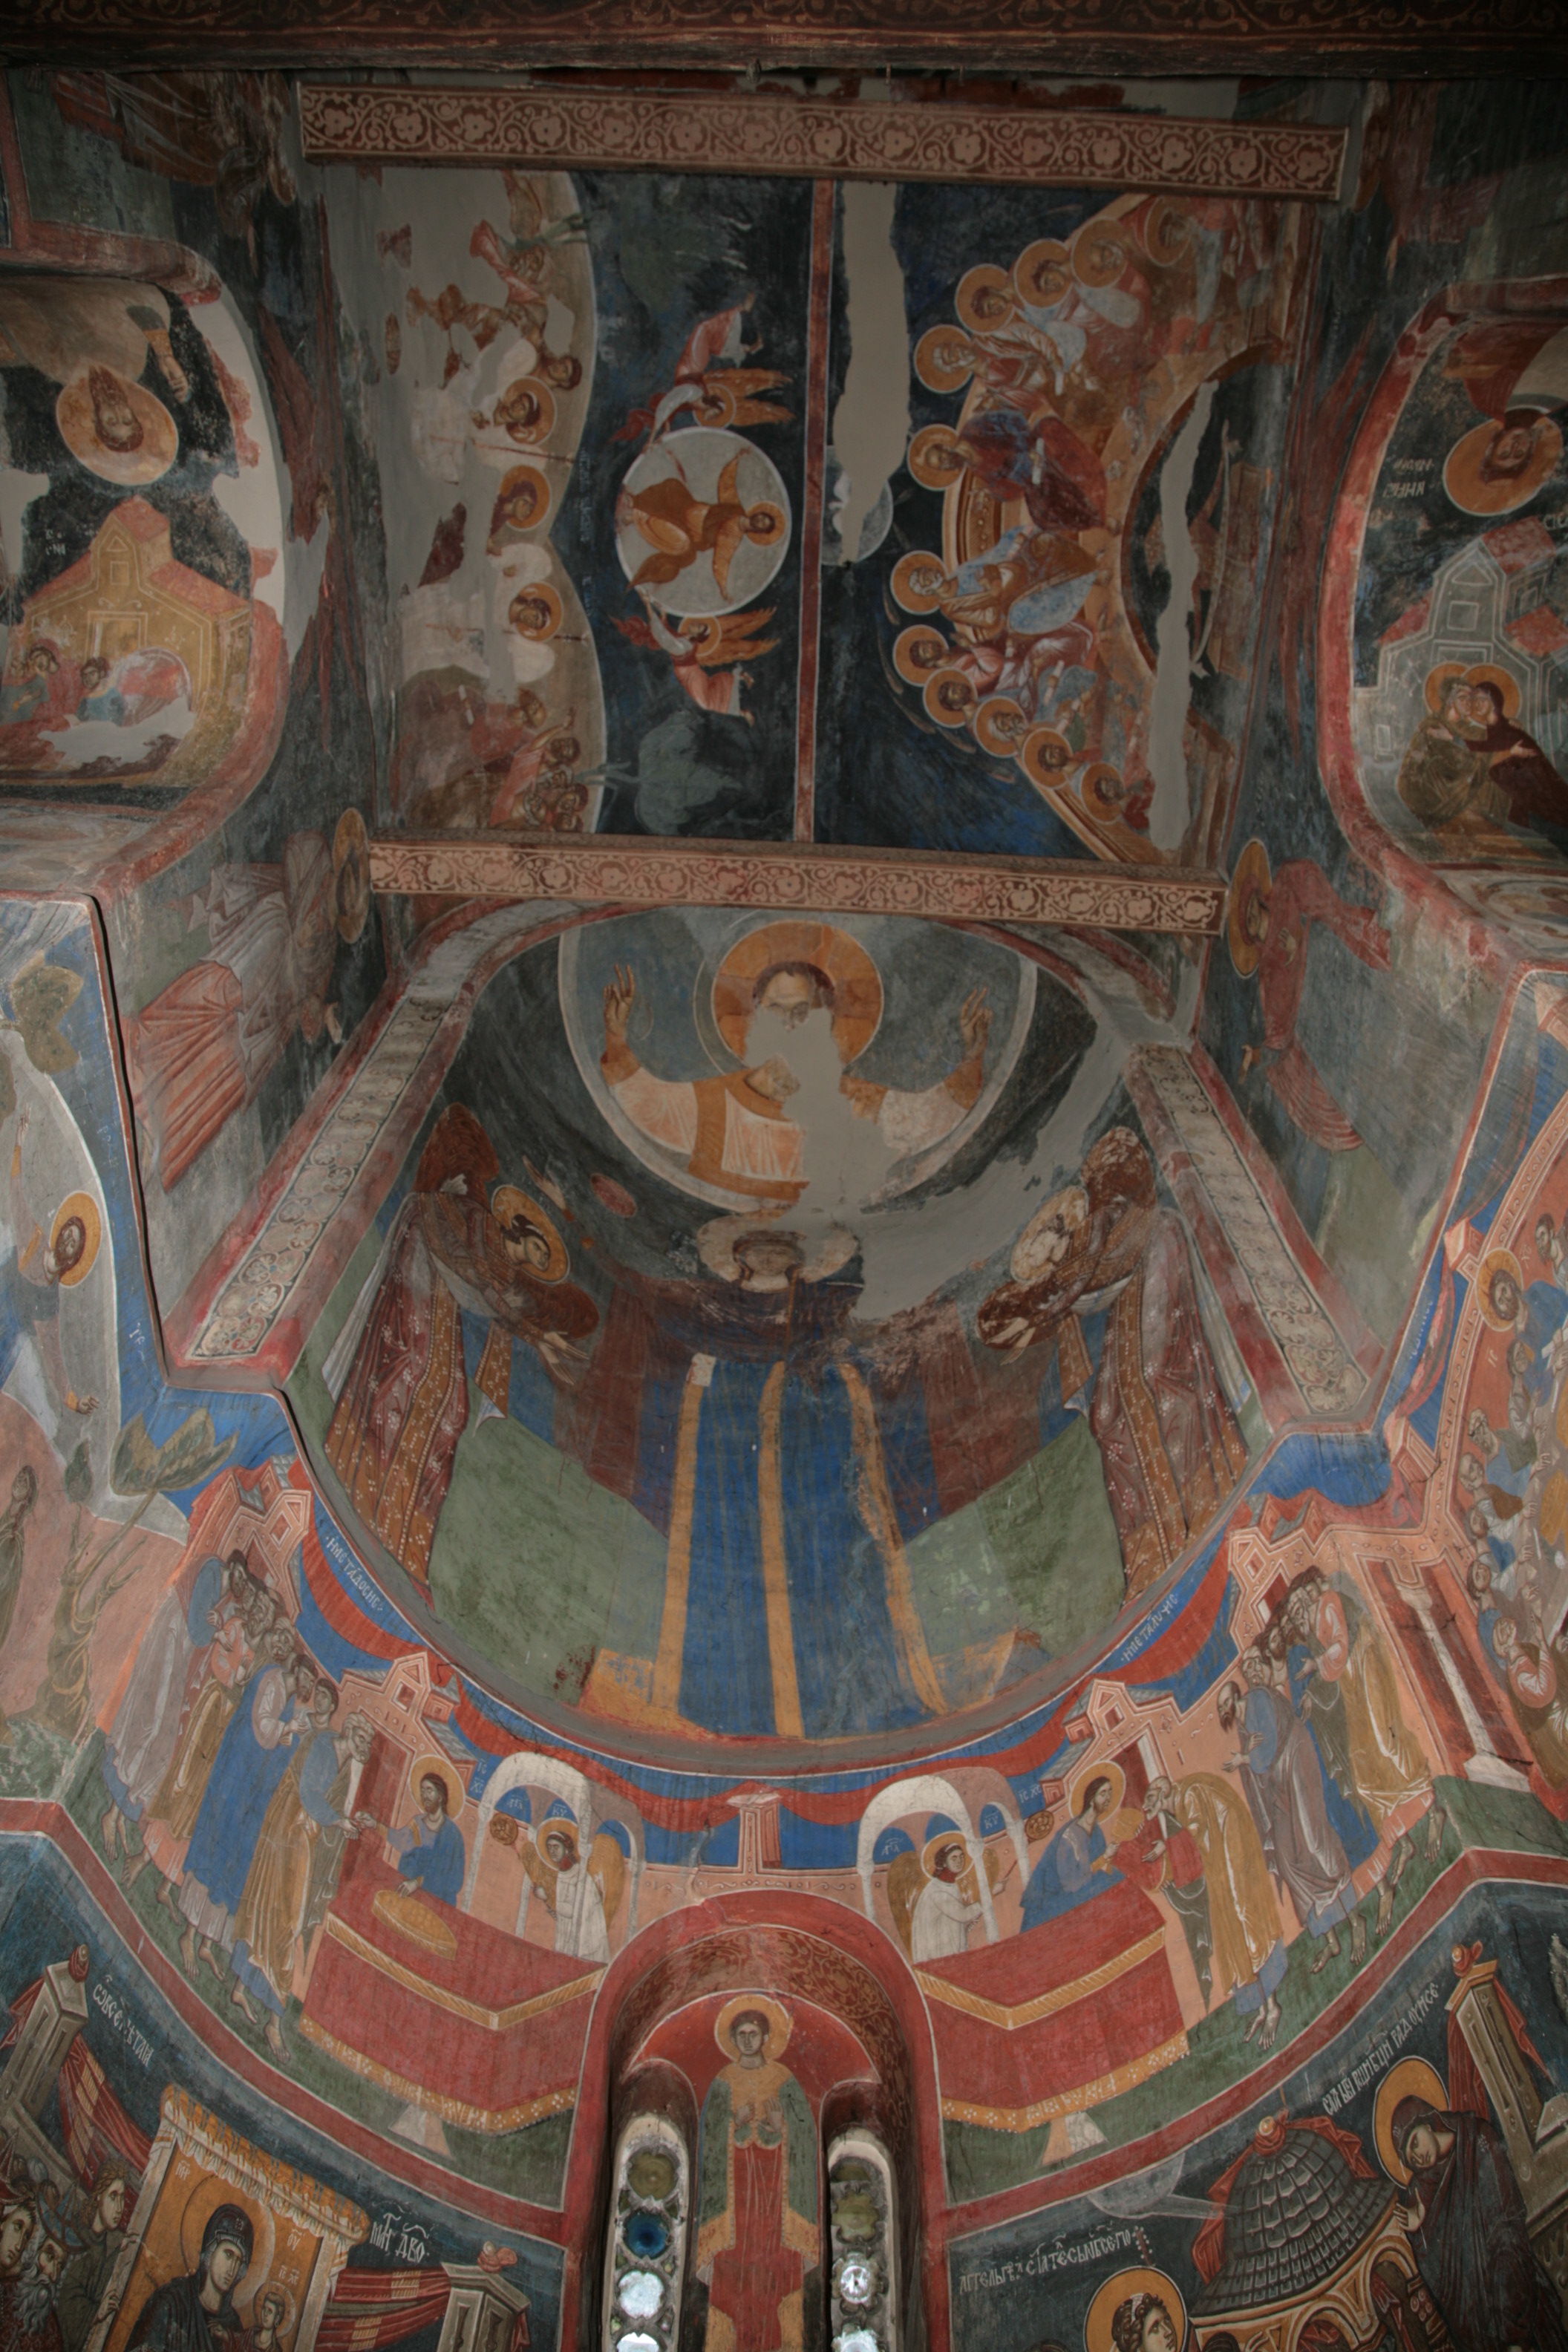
(1320, 1363)
(473, 2012)
(607, 871)
(1044, 2004)
(254, 1294)
(463, 2113)
(787, 137)
(1125, 2077)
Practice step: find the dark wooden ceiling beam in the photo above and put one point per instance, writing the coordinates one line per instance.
(1297, 37)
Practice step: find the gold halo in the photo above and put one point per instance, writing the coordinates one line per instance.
(543, 424)
(433, 1767)
(1438, 681)
(1497, 1261)
(945, 1837)
(1039, 263)
(351, 840)
(1462, 470)
(716, 407)
(1490, 673)
(988, 278)
(857, 982)
(278, 2288)
(82, 1205)
(774, 516)
(513, 481)
(507, 1201)
(558, 1824)
(929, 367)
(554, 613)
(1413, 2078)
(778, 2017)
(1098, 255)
(1111, 1772)
(1251, 876)
(1031, 758)
(202, 2203)
(1119, 2289)
(1090, 788)
(717, 1240)
(997, 722)
(1165, 231)
(904, 649)
(911, 599)
(1027, 1264)
(152, 457)
(924, 458)
(949, 697)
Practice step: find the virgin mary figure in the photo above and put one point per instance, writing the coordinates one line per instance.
(757, 2231)
(403, 1402)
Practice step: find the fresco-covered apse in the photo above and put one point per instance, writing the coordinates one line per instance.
(855, 1578)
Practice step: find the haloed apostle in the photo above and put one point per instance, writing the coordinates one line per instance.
(307, 1824)
(196, 2312)
(1248, 1956)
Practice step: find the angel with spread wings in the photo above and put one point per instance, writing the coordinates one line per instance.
(934, 1895)
(713, 395)
(582, 1897)
(678, 526)
(706, 652)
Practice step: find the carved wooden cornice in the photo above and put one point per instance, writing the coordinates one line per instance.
(1320, 37)
(780, 136)
(605, 871)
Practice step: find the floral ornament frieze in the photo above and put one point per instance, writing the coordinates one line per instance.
(797, 138)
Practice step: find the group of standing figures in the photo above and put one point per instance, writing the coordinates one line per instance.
(224, 1755)
(1318, 1802)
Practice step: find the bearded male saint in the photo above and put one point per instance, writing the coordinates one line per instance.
(43, 1262)
(733, 1130)
(757, 2229)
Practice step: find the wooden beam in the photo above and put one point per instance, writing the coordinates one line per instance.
(605, 870)
(779, 136)
(1331, 39)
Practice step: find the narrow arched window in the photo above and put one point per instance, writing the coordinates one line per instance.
(864, 2308)
(645, 2255)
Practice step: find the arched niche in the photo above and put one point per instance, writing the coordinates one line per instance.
(927, 1792)
(591, 1808)
(804, 1956)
